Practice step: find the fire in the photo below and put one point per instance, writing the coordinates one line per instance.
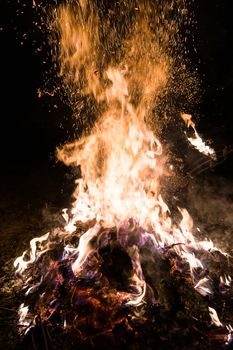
(214, 317)
(23, 310)
(118, 199)
(196, 140)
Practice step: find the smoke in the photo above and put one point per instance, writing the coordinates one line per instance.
(209, 200)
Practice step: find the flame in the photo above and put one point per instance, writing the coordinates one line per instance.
(122, 163)
(36, 251)
(214, 317)
(196, 140)
(25, 320)
(203, 287)
(230, 334)
(23, 315)
(226, 280)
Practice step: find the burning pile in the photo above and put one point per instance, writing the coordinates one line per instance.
(122, 259)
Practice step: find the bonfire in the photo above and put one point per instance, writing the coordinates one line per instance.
(126, 266)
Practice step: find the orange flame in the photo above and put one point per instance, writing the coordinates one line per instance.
(122, 161)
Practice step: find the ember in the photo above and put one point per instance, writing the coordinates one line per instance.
(124, 262)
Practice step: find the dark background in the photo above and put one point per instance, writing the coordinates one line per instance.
(32, 127)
